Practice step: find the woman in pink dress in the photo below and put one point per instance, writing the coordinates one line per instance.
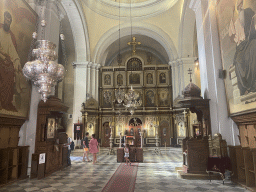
(93, 147)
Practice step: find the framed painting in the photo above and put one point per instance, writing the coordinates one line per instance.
(237, 32)
(17, 23)
(51, 128)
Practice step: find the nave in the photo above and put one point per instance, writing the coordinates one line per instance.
(156, 174)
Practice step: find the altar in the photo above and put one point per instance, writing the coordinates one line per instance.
(135, 154)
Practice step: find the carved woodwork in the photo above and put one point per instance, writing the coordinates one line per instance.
(13, 158)
(197, 151)
(52, 108)
(243, 158)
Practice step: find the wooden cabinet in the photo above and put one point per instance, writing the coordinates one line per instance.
(13, 164)
(13, 158)
(47, 141)
(244, 166)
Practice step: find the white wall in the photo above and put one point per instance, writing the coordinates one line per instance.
(212, 87)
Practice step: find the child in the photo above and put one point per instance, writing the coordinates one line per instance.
(126, 153)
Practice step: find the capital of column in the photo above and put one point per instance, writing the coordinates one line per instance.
(80, 64)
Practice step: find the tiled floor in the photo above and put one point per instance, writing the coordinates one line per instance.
(156, 174)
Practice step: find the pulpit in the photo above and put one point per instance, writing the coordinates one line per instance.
(47, 141)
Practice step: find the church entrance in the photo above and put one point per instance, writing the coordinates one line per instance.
(135, 126)
(106, 132)
(165, 134)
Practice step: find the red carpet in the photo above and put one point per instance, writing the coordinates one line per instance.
(123, 179)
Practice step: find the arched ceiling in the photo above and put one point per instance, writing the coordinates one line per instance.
(139, 8)
(148, 44)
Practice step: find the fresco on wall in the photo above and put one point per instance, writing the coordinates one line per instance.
(237, 32)
(17, 23)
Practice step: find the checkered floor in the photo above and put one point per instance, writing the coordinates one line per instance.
(156, 174)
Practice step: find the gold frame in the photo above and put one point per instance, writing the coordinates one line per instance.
(51, 125)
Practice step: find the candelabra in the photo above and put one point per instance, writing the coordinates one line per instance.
(141, 139)
(157, 150)
(111, 150)
(132, 100)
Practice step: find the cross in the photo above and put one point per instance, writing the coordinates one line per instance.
(190, 73)
(133, 44)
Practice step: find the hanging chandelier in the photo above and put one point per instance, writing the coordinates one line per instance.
(119, 93)
(44, 71)
(132, 100)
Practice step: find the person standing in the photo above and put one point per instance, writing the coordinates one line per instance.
(86, 147)
(69, 140)
(126, 154)
(93, 147)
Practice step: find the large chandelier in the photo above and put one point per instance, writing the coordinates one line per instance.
(132, 100)
(44, 71)
(119, 93)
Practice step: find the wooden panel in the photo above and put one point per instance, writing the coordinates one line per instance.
(232, 153)
(251, 136)
(249, 168)
(4, 137)
(240, 164)
(243, 135)
(14, 137)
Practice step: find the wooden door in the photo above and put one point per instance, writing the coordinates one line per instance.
(165, 134)
(135, 126)
(106, 132)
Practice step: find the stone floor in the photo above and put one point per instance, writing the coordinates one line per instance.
(156, 174)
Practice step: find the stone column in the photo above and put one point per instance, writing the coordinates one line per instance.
(80, 88)
(212, 87)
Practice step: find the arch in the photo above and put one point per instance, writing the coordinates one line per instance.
(79, 29)
(138, 28)
(186, 31)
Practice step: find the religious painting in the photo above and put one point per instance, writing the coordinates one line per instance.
(163, 97)
(150, 98)
(236, 25)
(181, 129)
(162, 78)
(17, 23)
(50, 128)
(107, 79)
(134, 64)
(119, 79)
(107, 99)
(90, 128)
(134, 78)
(149, 78)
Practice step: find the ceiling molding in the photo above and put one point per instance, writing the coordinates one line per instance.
(139, 28)
(79, 29)
(143, 10)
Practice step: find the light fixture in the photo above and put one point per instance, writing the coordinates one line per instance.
(44, 71)
(132, 98)
(119, 93)
(196, 62)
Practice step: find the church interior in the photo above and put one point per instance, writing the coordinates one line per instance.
(173, 79)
